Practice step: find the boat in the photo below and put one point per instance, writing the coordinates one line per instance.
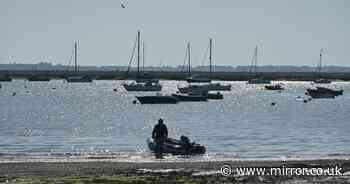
(215, 86)
(218, 87)
(192, 96)
(274, 87)
(316, 93)
(253, 69)
(197, 79)
(143, 82)
(76, 77)
(215, 96)
(177, 147)
(259, 81)
(321, 80)
(331, 91)
(147, 86)
(190, 88)
(157, 99)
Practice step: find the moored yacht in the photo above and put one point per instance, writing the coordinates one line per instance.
(253, 69)
(77, 77)
(142, 83)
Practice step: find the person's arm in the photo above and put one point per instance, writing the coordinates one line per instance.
(166, 131)
(154, 132)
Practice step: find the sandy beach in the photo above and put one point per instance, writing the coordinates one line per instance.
(110, 171)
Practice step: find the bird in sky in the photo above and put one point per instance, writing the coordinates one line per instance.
(122, 4)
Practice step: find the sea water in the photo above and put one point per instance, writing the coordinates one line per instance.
(57, 119)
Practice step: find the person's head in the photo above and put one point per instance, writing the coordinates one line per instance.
(160, 121)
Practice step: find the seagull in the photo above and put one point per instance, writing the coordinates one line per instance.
(122, 4)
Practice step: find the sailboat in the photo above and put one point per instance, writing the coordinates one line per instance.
(76, 77)
(142, 83)
(191, 87)
(320, 80)
(253, 69)
(193, 78)
(215, 86)
(210, 86)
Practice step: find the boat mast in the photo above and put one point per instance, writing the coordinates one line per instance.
(138, 53)
(143, 56)
(320, 63)
(189, 59)
(255, 58)
(210, 52)
(75, 56)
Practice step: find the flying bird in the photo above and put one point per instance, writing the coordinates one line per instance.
(122, 4)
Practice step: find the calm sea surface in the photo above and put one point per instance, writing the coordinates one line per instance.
(59, 119)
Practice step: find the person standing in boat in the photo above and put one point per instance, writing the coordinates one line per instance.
(160, 134)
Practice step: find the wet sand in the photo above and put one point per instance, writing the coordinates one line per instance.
(195, 172)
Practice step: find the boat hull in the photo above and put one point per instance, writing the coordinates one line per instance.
(175, 147)
(190, 98)
(322, 81)
(331, 91)
(78, 79)
(274, 87)
(219, 87)
(215, 96)
(38, 79)
(157, 99)
(259, 81)
(142, 87)
(192, 80)
(314, 93)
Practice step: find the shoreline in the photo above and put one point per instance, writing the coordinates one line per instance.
(64, 167)
(163, 171)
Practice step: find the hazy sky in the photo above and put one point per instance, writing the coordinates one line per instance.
(289, 32)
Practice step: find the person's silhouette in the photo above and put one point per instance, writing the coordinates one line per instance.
(160, 134)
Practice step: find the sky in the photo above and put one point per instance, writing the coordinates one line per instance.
(287, 32)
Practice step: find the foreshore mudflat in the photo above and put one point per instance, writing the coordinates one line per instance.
(109, 171)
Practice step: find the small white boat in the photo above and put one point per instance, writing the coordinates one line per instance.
(148, 86)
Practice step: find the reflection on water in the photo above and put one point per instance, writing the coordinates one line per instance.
(58, 119)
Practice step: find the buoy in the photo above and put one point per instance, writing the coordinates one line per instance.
(14, 94)
(305, 101)
(273, 103)
(115, 89)
(134, 102)
(310, 99)
(53, 88)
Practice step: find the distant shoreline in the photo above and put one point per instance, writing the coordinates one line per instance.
(168, 75)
